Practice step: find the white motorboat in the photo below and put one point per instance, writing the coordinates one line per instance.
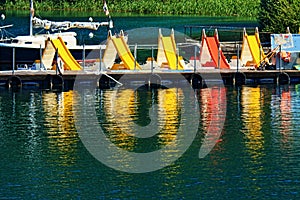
(25, 49)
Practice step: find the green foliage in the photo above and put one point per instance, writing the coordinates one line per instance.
(171, 7)
(196, 7)
(277, 15)
(20, 4)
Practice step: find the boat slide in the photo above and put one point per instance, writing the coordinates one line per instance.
(167, 52)
(124, 53)
(210, 51)
(252, 52)
(211, 54)
(69, 61)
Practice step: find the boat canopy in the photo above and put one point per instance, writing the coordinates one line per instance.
(65, 25)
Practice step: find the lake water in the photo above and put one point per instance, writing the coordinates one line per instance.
(20, 21)
(250, 134)
(256, 156)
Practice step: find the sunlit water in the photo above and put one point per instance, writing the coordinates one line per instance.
(256, 157)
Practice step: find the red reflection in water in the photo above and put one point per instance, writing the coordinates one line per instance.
(213, 111)
(285, 109)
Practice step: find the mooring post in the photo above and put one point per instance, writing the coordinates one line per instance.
(100, 59)
(195, 54)
(14, 61)
(177, 60)
(238, 58)
(200, 49)
(279, 58)
(83, 55)
(135, 52)
(219, 57)
(152, 54)
(41, 57)
(57, 64)
(260, 51)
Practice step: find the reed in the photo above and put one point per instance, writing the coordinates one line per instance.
(247, 8)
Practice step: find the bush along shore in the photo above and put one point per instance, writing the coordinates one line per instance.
(171, 7)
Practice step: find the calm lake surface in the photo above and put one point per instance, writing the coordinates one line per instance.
(257, 155)
(20, 21)
(255, 130)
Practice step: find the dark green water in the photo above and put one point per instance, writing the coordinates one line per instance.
(256, 157)
(20, 20)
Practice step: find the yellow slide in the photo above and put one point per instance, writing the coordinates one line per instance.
(125, 53)
(256, 49)
(252, 52)
(167, 52)
(69, 61)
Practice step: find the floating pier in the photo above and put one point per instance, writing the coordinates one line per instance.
(108, 79)
(207, 65)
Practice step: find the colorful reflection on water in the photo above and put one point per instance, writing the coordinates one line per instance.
(128, 111)
(256, 155)
(59, 123)
(213, 111)
(252, 115)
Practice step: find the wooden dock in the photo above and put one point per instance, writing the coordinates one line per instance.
(107, 79)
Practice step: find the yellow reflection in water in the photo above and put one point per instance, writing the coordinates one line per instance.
(116, 106)
(252, 103)
(126, 108)
(60, 123)
(170, 105)
(129, 112)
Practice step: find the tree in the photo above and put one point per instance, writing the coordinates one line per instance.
(276, 15)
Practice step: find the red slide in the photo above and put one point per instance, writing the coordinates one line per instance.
(212, 43)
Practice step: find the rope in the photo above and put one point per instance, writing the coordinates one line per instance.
(112, 78)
